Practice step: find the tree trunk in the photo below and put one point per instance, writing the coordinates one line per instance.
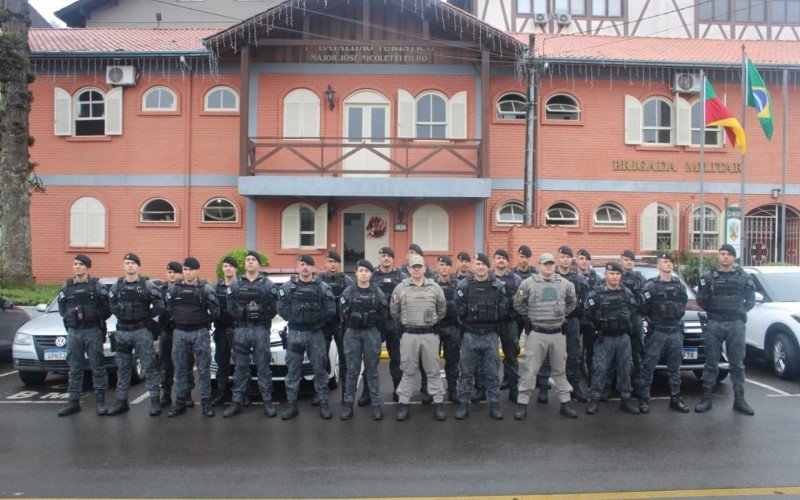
(15, 166)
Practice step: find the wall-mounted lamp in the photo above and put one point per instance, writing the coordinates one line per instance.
(401, 209)
(331, 208)
(330, 95)
(776, 192)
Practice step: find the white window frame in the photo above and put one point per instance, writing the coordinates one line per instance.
(605, 11)
(220, 88)
(573, 7)
(304, 105)
(714, 229)
(77, 103)
(208, 220)
(568, 221)
(514, 114)
(665, 227)
(431, 123)
(658, 128)
(291, 235)
(91, 214)
(161, 90)
(517, 213)
(431, 228)
(608, 221)
(562, 110)
(144, 210)
(696, 128)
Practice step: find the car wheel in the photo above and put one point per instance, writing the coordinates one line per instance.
(784, 356)
(32, 378)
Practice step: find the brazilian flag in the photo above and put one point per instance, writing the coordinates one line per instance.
(758, 97)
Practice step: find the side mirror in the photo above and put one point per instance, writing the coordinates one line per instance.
(41, 307)
(759, 297)
(7, 304)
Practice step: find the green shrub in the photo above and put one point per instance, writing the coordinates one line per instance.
(687, 265)
(239, 254)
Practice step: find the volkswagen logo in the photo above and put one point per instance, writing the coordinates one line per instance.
(61, 341)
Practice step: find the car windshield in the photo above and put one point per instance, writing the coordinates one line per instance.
(651, 272)
(782, 286)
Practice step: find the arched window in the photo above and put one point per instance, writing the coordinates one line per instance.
(710, 225)
(157, 210)
(304, 227)
(431, 116)
(713, 134)
(222, 99)
(431, 228)
(219, 210)
(90, 112)
(657, 121)
(301, 113)
(610, 215)
(511, 213)
(87, 223)
(512, 106)
(562, 107)
(561, 214)
(658, 228)
(159, 99)
(664, 227)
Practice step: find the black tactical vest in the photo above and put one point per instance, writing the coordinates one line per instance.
(665, 303)
(727, 293)
(615, 312)
(133, 301)
(449, 289)
(387, 281)
(482, 301)
(305, 303)
(225, 319)
(189, 304)
(525, 274)
(365, 308)
(252, 303)
(81, 303)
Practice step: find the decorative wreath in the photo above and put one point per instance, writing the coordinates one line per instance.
(376, 227)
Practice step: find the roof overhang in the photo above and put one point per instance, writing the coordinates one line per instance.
(76, 14)
(374, 187)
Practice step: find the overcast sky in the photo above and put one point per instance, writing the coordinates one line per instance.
(47, 7)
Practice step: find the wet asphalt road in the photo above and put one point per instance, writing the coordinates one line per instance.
(134, 455)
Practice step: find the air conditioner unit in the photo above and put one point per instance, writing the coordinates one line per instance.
(540, 18)
(121, 75)
(564, 19)
(688, 83)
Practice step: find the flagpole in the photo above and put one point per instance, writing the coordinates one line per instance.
(702, 174)
(783, 163)
(742, 161)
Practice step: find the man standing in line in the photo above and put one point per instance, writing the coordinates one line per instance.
(174, 273)
(572, 328)
(584, 265)
(335, 277)
(223, 330)
(523, 269)
(449, 329)
(463, 265)
(634, 281)
(508, 327)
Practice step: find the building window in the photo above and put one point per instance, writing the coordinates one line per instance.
(713, 134)
(219, 210)
(710, 228)
(301, 111)
(157, 210)
(750, 11)
(304, 227)
(664, 229)
(529, 7)
(512, 106)
(87, 223)
(511, 213)
(785, 11)
(159, 99)
(431, 116)
(222, 99)
(561, 214)
(713, 10)
(610, 215)
(431, 228)
(90, 113)
(657, 122)
(562, 107)
(606, 8)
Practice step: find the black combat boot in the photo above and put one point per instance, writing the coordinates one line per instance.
(377, 412)
(100, 399)
(439, 412)
(626, 404)
(220, 396)
(495, 411)
(425, 397)
(740, 405)
(593, 407)
(178, 409)
(208, 409)
(166, 399)
(568, 411)
(155, 406)
(644, 405)
(577, 393)
(73, 406)
(705, 401)
(462, 411)
(480, 395)
(522, 412)
(677, 404)
(269, 409)
(189, 402)
(347, 411)
(120, 407)
(365, 399)
(452, 394)
(325, 410)
(315, 399)
(513, 394)
(234, 409)
(542, 397)
(291, 411)
(402, 413)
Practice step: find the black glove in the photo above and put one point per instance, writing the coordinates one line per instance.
(112, 339)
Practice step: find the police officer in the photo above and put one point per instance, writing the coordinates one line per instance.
(726, 293)
(663, 303)
(546, 299)
(136, 302)
(419, 303)
(252, 301)
(583, 262)
(482, 305)
(83, 305)
(193, 305)
(174, 273)
(338, 281)
(363, 308)
(223, 329)
(413, 250)
(463, 265)
(572, 328)
(307, 303)
(634, 281)
(508, 327)
(449, 329)
(610, 310)
(524, 269)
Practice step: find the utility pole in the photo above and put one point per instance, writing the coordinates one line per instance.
(530, 133)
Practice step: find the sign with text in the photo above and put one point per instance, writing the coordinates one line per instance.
(400, 227)
(367, 54)
(733, 228)
(711, 167)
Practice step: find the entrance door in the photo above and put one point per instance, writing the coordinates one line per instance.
(366, 122)
(763, 229)
(357, 243)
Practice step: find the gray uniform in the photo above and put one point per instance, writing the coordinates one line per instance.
(136, 304)
(84, 308)
(307, 306)
(362, 310)
(192, 308)
(252, 305)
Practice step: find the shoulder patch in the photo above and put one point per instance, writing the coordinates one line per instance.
(647, 295)
(460, 293)
(591, 302)
(104, 291)
(212, 296)
(274, 291)
(154, 292)
(342, 300)
(281, 292)
(394, 297)
(329, 293)
(702, 282)
(62, 295)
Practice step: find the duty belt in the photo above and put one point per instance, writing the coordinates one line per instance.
(190, 328)
(547, 331)
(477, 330)
(129, 327)
(417, 331)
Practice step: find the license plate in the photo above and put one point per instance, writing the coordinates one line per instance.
(55, 354)
(689, 353)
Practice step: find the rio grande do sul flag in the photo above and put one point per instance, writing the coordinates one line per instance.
(758, 97)
(718, 114)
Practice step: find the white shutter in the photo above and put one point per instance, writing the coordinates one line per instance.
(78, 223)
(633, 120)
(95, 223)
(649, 227)
(406, 114)
(457, 122)
(292, 125)
(321, 227)
(290, 227)
(62, 112)
(682, 125)
(311, 115)
(422, 230)
(114, 111)
(676, 226)
(431, 228)
(440, 232)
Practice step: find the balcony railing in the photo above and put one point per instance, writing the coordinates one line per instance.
(343, 156)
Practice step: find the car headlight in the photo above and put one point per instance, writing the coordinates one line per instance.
(23, 339)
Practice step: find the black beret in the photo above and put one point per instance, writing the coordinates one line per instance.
(191, 263)
(614, 266)
(525, 250)
(728, 248)
(501, 253)
(133, 257)
(231, 261)
(175, 267)
(483, 258)
(565, 250)
(84, 259)
(416, 248)
(666, 256)
(306, 258)
(464, 256)
(365, 263)
(333, 254)
(629, 254)
(445, 259)
(255, 255)
(585, 253)
(386, 251)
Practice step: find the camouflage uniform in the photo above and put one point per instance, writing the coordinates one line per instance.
(449, 330)
(334, 329)
(223, 338)
(572, 328)
(588, 334)
(390, 330)
(634, 281)
(362, 310)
